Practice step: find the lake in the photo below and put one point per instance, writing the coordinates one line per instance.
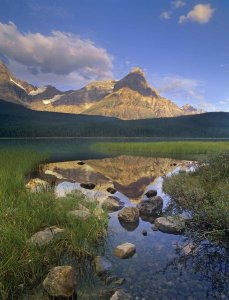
(163, 266)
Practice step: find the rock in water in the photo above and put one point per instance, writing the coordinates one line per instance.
(60, 282)
(112, 204)
(111, 190)
(102, 265)
(125, 250)
(170, 224)
(88, 186)
(46, 236)
(120, 295)
(129, 215)
(151, 193)
(151, 206)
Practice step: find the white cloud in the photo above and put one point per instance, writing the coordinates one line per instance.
(180, 87)
(60, 54)
(178, 4)
(218, 106)
(201, 13)
(166, 15)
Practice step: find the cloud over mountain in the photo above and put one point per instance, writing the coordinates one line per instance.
(59, 53)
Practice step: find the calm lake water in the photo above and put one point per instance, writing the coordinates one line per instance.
(162, 268)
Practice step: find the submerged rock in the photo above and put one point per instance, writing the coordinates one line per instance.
(129, 215)
(102, 265)
(170, 224)
(120, 295)
(112, 203)
(129, 226)
(151, 193)
(37, 185)
(80, 214)
(88, 186)
(151, 206)
(46, 236)
(144, 232)
(125, 250)
(60, 282)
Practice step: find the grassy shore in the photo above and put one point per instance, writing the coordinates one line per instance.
(204, 194)
(180, 149)
(23, 213)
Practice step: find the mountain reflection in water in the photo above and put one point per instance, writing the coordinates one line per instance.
(130, 175)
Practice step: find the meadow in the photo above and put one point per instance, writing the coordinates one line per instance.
(22, 213)
(178, 149)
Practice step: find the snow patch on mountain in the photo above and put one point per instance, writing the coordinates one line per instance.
(51, 100)
(18, 84)
(39, 90)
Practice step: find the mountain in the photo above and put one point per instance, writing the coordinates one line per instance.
(19, 121)
(129, 98)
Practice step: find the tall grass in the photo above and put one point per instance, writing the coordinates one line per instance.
(23, 213)
(204, 193)
(181, 149)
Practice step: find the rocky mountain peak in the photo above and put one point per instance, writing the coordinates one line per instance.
(136, 81)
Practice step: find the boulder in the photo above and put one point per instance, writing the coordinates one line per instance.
(151, 193)
(102, 265)
(151, 206)
(111, 190)
(80, 214)
(46, 236)
(112, 203)
(60, 282)
(120, 295)
(37, 185)
(88, 186)
(170, 224)
(129, 226)
(125, 250)
(129, 215)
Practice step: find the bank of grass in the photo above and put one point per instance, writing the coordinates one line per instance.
(179, 149)
(23, 213)
(204, 193)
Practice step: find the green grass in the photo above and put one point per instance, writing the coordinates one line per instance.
(180, 149)
(22, 214)
(204, 194)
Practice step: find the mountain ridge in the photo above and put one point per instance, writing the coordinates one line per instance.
(129, 98)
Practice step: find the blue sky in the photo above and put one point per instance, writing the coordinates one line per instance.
(183, 45)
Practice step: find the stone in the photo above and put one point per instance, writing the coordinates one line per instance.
(121, 295)
(46, 236)
(151, 206)
(170, 224)
(129, 215)
(81, 163)
(112, 203)
(102, 265)
(111, 190)
(151, 193)
(144, 232)
(88, 186)
(80, 214)
(37, 185)
(129, 226)
(125, 250)
(60, 282)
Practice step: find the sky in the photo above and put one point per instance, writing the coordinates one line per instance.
(182, 45)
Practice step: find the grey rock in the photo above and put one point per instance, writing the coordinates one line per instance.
(129, 215)
(60, 282)
(121, 295)
(175, 224)
(112, 204)
(46, 236)
(102, 265)
(125, 250)
(151, 206)
(151, 193)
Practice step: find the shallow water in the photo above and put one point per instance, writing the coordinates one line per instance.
(160, 269)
